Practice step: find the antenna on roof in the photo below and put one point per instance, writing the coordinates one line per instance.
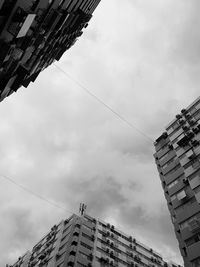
(82, 209)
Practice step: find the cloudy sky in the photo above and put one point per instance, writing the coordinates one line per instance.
(141, 58)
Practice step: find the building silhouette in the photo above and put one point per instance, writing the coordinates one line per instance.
(35, 33)
(83, 241)
(178, 161)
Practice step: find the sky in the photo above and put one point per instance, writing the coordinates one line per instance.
(142, 59)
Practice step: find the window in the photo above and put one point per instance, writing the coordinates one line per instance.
(169, 173)
(175, 125)
(86, 246)
(167, 164)
(179, 196)
(91, 238)
(185, 224)
(192, 240)
(178, 138)
(173, 197)
(164, 156)
(162, 148)
(65, 230)
(81, 264)
(59, 255)
(193, 110)
(195, 180)
(64, 237)
(185, 153)
(102, 224)
(87, 227)
(197, 115)
(194, 163)
(83, 255)
(172, 127)
(175, 182)
(185, 206)
(60, 248)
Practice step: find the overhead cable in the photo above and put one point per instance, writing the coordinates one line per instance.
(34, 194)
(117, 114)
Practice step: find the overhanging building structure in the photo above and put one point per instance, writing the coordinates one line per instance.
(34, 33)
(83, 241)
(178, 161)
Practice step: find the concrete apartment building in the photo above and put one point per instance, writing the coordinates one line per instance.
(178, 161)
(35, 33)
(83, 241)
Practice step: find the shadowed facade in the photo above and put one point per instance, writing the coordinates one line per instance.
(178, 161)
(33, 34)
(83, 241)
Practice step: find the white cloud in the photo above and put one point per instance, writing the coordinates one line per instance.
(63, 144)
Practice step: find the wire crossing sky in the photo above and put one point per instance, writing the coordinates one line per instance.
(35, 194)
(117, 114)
(140, 61)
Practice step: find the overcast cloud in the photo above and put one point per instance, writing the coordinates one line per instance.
(140, 57)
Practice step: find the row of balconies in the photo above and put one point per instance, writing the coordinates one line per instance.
(19, 17)
(115, 246)
(186, 141)
(156, 260)
(189, 132)
(194, 225)
(110, 262)
(110, 243)
(137, 258)
(107, 261)
(108, 234)
(41, 252)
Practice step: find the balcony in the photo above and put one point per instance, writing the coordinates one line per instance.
(51, 20)
(182, 195)
(26, 25)
(191, 169)
(172, 165)
(183, 141)
(72, 252)
(194, 181)
(74, 243)
(76, 234)
(194, 225)
(193, 251)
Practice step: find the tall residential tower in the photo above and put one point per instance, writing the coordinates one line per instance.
(35, 33)
(83, 241)
(178, 161)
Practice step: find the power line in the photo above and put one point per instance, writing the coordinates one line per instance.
(35, 194)
(24, 188)
(117, 114)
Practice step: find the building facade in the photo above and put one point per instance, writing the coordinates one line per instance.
(178, 161)
(83, 241)
(35, 33)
